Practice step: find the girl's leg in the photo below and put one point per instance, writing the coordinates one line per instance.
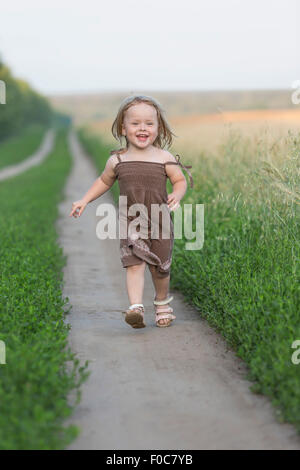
(135, 283)
(161, 286)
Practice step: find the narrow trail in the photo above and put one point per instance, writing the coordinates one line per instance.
(36, 159)
(170, 388)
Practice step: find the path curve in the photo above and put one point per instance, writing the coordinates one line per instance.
(44, 149)
(170, 388)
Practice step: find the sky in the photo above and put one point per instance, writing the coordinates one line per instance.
(66, 46)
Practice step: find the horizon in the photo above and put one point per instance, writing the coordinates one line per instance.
(191, 91)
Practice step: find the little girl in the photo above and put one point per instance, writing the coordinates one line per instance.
(142, 168)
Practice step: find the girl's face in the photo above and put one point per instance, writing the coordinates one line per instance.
(140, 125)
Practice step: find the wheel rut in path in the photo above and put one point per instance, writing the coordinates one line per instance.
(36, 159)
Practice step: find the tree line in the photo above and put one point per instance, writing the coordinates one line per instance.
(23, 105)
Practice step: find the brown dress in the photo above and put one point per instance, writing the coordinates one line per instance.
(144, 182)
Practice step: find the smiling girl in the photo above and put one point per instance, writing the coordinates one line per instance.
(142, 168)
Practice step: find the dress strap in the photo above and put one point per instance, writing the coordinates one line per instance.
(185, 167)
(119, 158)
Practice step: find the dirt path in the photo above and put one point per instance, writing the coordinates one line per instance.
(35, 159)
(172, 388)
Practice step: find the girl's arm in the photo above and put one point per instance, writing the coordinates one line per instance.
(99, 187)
(178, 182)
(96, 190)
(102, 183)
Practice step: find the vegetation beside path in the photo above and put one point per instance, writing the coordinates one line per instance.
(40, 371)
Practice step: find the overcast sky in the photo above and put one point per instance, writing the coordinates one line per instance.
(70, 46)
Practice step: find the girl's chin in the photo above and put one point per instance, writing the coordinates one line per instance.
(147, 143)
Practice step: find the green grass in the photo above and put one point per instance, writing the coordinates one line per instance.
(245, 279)
(40, 370)
(17, 148)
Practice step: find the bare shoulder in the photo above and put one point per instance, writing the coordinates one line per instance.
(112, 161)
(168, 156)
(173, 171)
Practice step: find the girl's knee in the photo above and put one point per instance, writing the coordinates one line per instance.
(137, 267)
(157, 274)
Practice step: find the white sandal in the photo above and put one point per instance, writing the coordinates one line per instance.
(135, 316)
(167, 311)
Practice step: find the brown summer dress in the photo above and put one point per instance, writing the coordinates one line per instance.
(144, 182)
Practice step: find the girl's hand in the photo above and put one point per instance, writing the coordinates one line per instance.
(173, 201)
(77, 208)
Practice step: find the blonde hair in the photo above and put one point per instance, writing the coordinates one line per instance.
(165, 134)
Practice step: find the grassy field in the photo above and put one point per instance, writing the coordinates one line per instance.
(196, 133)
(245, 279)
(15, 149)
(40, 369)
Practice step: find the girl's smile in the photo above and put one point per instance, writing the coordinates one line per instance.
(142, 137)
